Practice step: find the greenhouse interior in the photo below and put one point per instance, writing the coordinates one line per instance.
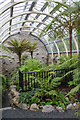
(40, 59)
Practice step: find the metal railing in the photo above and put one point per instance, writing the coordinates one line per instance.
(29, 80)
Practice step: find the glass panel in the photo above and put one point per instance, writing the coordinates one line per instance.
(60, 45)
(4, 3)
(54, 48)
(4, 16)
(48, 48)
(14, 32)
(4, 27)
(67, 43)
(73, 45)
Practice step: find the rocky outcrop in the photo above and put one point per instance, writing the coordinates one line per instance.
(13, 95)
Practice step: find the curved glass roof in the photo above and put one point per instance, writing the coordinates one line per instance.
(33, 17)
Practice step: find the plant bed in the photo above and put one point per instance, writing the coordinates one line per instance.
(32, 100)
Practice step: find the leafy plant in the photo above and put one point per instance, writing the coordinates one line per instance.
(31, 65)
(2, 83)
(26, 97)
(23, 58)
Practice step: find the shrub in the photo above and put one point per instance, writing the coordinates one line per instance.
(31, 65)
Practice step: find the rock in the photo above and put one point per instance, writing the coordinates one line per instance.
(74, 104)
(11, 62)
(34, 107)
(11, 99)
(41, 106)
(48, 108)
(67, 98)
(13, 90)
(15, 101)
(6, 70)
(42, 57)
(60, 109)
(16, 93)
(4, 62)
(70, 106)
(13, 57)
(12, 86)
(23, 106)
(37, 53)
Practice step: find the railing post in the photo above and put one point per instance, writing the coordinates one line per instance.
(21, 79)
(34, 79)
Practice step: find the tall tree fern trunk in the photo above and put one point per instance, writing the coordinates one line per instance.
(20, 60)
(32, 54)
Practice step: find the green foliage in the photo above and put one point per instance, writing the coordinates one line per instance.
(32, 47)
(2, 84)
(78, 113)
(46, 92)
(31, 65)
(74, 90)
(2, 46)
(14, 78)
(23, 58)
(26, 97)
(43, 97)
(18, 46)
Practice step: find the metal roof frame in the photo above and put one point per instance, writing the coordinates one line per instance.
(31, 25)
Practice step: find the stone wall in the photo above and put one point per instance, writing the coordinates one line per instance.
(40, 53)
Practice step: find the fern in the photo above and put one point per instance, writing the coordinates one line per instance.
(74, 90)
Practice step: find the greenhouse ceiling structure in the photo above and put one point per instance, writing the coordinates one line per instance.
(38, 18)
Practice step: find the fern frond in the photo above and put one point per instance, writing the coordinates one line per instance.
(74, 90)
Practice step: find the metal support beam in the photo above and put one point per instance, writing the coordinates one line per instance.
(22, 22)
(52, 11)
(42, 9)
(57, 48)
(11, 15)
(30, 9)
(77, 47)
(65, 47)
(24, 10)
(29, 12)
(12, 4)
